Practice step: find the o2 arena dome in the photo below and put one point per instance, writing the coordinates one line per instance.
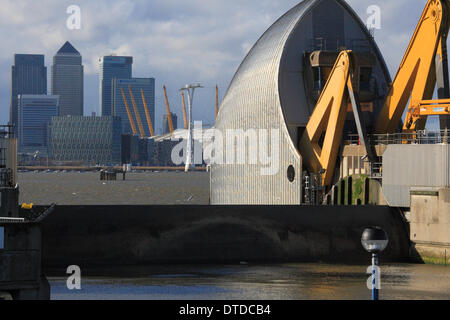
(276, 88)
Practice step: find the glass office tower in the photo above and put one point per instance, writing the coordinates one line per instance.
(67, 80)
(28, 76)
(112, 67)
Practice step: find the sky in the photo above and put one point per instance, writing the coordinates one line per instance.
(177, 42)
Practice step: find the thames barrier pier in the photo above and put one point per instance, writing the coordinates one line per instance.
(21, 275)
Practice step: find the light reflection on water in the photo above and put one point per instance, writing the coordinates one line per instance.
(255, 282)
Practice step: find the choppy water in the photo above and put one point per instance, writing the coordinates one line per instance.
(146, 188)
(258, 282)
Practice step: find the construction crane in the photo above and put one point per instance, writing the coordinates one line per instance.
(184, 110)
(130, 116)
(424, 65)
(169, 114)
(136, 111)
(147, 115)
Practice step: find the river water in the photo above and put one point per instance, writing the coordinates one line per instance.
(256, 282)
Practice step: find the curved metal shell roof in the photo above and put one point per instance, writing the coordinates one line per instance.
(268, 92)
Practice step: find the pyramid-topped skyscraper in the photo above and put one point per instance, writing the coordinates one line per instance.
(67, 80)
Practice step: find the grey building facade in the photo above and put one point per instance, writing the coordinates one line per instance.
(35, 115)
(270, 92)
(28, 76)
(112, 67)
(147, 85)
(92, 140)
(67, 80)
(166, 127)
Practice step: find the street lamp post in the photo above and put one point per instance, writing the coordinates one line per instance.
(374, 241)
(190, 145)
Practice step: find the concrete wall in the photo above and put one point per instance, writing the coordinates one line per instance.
(118, 235)
(20, 262)
(412, 166)
(430, 225)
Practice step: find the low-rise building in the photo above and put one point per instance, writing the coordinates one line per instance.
(93, 140)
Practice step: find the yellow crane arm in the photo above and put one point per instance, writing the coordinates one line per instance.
(416, 76)
(169, 114)
(136, 111)
(184, 110)
(130, 116)
(320, 143)
(147, 115)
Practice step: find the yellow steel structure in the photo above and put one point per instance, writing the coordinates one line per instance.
(416, 77)
(427, 108)
(130, 116)
(184, 110)
(136, 111)
(424, 64)
(169, 114)
(147, 115)
(327, 121)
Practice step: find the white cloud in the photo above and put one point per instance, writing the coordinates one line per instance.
(174, 41)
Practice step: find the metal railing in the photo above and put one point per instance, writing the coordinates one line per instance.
(335, 44)
(419, 137)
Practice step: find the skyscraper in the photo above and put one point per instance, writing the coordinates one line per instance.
(112, 67)
(28, 76)
(118, 105)
(67, 80)
(35, 114)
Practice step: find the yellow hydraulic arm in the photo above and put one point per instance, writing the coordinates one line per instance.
(138, 116)
(147, 115)
(321, 141)
(424, 63)
(130, 116)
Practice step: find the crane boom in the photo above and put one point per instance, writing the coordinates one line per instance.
(136, 111)
(130, 116)
(169, 114)
(147, 115)
(416, 77)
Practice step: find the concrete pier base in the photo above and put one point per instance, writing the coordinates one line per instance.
(129, 235)
(430, 225)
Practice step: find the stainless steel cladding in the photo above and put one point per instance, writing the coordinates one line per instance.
(270, 90)
(421, 166)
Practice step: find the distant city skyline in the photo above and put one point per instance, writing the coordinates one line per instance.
(171, 42)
